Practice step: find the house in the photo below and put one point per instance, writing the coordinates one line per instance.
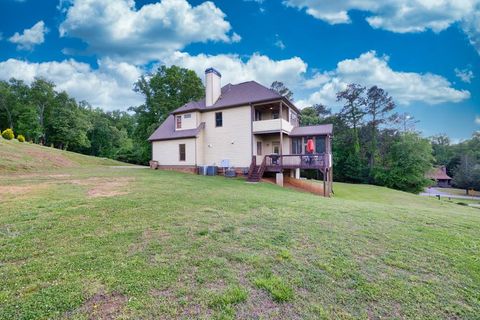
(245, 126)
(440, 176)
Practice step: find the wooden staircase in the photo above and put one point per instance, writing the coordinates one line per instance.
(255, 172)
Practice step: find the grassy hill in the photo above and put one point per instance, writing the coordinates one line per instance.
(17, 157)
(102, 242)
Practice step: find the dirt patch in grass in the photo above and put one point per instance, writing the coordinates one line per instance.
(56, 160)
(104, 187)
(20, 190)
(104, 306)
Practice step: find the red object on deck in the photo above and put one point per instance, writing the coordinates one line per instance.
(310, 146)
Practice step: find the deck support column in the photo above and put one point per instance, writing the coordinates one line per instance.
(279, 179)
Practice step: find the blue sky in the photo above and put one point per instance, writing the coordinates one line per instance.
(426, 54)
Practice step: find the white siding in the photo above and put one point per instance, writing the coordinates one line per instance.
(189, 121)
(167, 152)
(230, 142)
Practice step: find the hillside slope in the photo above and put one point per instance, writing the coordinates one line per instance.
(19, 157)
(99, 242)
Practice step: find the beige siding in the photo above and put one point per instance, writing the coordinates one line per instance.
(167, 152)
(267, 144)
(232, 141)
(189, 120)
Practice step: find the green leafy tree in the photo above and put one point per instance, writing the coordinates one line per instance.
(164, 91)
(407, 161)
(314, 115)
(282, 90)
(42, 95)
(379, 105)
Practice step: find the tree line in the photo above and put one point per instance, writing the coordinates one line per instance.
(372, 143)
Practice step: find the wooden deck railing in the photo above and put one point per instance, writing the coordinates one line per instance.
(294, 161)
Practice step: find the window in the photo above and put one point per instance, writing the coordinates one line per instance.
(320, 144)
(181, 150)
(258, 115)
(259, 148)
(276, 147)
(275, 114)
(187, 116)
(296, 145)
(179, 122)
(218, 119)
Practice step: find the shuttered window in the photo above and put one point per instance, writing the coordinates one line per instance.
(181, 150)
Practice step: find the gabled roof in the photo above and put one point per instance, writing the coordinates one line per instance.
(237, 95)
(438, 174)
(322, 129)
(166, 131)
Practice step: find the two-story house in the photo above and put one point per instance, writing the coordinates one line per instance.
(245, 126)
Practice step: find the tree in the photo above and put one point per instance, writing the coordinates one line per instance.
(67, 124)
(405, 121)
(282, 90)
(314, 115)
(353, 110)
(6, 103)
(407, 161)
(42, 95)
(378, 105)
(164, 91)
(467, 174)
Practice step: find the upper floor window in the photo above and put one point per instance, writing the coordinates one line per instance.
(178, 122)
(275, 114)
(218, 119)
(187, 116)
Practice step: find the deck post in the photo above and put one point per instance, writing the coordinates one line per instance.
(281, 135)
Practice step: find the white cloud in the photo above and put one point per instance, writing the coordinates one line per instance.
(400, 15)
(234, 69)
(466, 75)
(30, 37)
(108, 87)
(116, 28)
(279, 43)
(369, 70)
(477, 120)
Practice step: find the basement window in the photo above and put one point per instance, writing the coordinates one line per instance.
(218, 119)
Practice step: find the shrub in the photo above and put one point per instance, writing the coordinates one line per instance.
(20, 138)
(8, 134)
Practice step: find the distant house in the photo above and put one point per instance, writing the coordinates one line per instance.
(440, 176)
(244, 126)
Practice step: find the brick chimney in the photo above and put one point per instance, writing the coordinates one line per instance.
(213, 86)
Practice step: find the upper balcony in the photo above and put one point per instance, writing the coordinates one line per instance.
(272, 125)
(273, 117)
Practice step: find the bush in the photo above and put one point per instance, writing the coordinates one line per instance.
(20, 138)
(8, 134)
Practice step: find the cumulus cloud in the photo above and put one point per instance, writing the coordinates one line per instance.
(30, 37)
(234, 69)
(108, 87)
(116, 28)
(400, 15)
(466, 75)
(369, 69)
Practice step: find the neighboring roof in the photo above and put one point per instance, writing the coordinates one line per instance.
(167, 131)
(438, 174)
(322, 129)
(236, 95)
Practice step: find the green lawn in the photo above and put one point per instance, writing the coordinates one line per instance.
(100, 242)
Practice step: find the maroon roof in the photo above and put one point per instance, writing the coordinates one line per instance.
(439, 173)
(166, 131)
(322, 129)
(235, 95)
